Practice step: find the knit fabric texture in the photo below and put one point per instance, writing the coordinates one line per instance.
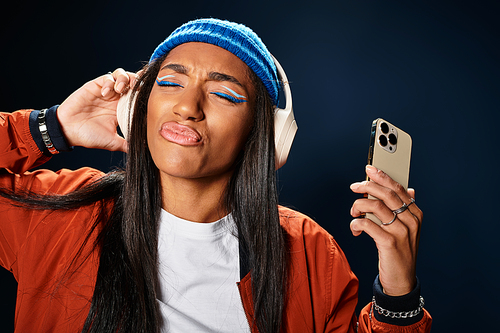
(233, 37)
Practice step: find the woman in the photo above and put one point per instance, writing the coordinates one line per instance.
(190, 236)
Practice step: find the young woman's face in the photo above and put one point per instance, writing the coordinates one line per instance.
(200, 112)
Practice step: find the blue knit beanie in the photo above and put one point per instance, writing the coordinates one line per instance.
(233, 37)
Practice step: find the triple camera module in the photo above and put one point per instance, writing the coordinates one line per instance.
(388, 137)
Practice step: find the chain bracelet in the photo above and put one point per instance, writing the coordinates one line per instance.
(398, 315)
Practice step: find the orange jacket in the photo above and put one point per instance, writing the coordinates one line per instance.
(55, 280)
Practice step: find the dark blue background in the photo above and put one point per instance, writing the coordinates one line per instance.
(430, 68)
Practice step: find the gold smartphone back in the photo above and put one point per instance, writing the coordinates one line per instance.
(390, 151)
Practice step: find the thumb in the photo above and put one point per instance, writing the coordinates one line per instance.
(118, 144)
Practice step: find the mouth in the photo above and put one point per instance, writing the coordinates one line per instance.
(180, 134)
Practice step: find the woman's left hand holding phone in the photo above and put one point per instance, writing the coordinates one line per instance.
(88, 116)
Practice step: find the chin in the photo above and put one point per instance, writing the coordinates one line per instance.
(188, 172)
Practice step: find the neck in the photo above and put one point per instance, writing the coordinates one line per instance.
(196, 200)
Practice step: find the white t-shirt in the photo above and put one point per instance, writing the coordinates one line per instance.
(199, 268)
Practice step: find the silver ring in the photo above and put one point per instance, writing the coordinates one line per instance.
(394, 219)
(412, 201)
(404, 207)
(400, 209)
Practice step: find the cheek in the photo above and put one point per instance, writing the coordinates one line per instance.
(152, 107)
(152, 122)
(236, 130)
(155, 109)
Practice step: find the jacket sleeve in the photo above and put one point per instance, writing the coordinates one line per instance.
(18, 150)
(368, 323)
(371, 320)
(343, 318)
(18, 153)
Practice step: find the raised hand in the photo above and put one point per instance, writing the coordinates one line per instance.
(88, 116)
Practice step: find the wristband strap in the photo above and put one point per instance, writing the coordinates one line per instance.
(42, 126)
(398, 315)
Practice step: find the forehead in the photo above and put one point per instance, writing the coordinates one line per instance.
(205, 57)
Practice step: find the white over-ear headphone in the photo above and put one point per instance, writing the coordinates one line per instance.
(285, 125)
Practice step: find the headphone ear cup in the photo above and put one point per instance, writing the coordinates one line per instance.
(285, 125)
(124, 112)
(285, 128)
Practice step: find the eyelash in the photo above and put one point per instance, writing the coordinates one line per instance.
(229, 97)
(168, 84)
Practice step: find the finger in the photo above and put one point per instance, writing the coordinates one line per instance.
(377, 207)
(387, 195)
(120, 144)
(383, 179)
(122, 80)
(411, 219)
(413, 209)
(412, 206)
(364, 225)
(107, 83)
(382, 237)
(385, 213)
(383, 187)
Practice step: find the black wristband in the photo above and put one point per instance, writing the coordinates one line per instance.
(406, 303)
(53, 129)
(42, 127)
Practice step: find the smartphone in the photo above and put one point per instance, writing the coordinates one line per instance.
(390, 151)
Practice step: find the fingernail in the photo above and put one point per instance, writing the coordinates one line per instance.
(354, 186)
(370, 168)
(120, 87)
(354, 225)
(105, 91)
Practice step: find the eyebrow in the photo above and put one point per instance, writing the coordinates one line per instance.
(221, 77)
(176, 68)
(216, 76)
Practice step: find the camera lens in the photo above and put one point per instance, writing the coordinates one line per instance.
(392, 139)
(384, 128)
(382, 140)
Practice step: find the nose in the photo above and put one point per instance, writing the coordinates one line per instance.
(190, 104)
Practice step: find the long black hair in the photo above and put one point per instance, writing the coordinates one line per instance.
(124, 298)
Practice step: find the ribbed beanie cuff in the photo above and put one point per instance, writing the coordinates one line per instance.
(233, 37)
